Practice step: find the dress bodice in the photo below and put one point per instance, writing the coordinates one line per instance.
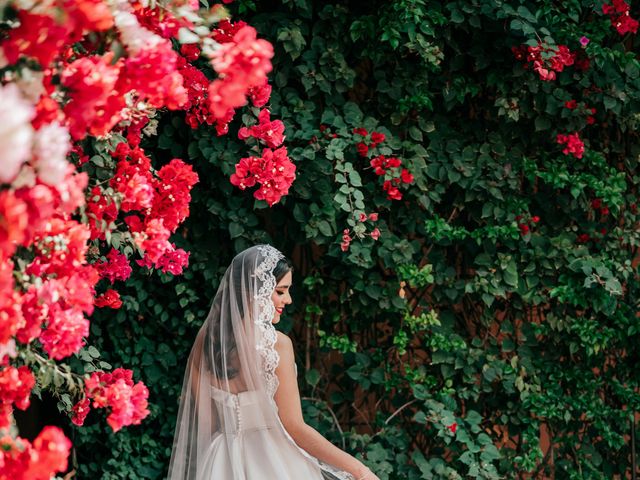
(242, 407)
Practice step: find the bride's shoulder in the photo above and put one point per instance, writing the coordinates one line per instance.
(283, 343)
(283, 340)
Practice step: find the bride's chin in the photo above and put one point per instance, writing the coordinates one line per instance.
(275, 319)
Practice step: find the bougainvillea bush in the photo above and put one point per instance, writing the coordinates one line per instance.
(83, 206)
(463, 225)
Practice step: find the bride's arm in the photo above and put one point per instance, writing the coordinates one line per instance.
(287, 398)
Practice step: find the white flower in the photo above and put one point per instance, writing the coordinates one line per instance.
(16, 133)
(134, 36)
(51, 145)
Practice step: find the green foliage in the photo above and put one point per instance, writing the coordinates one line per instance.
(457, 315)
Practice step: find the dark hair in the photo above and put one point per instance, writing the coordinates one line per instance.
(283, 267)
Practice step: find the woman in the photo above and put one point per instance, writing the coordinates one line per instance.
(240, 416)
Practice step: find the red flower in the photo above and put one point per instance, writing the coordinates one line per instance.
(453, 427)
(173, 193)
(360, 131)
(101, 212)
(535, 219)
(274, 172)
(524, 229)
(583, 238)
(80, 411)
(14, 221)
(377, 138)
(393, 193)
(190, 51)
(362, 149)
(37, 36)
(93, 105)
(574, 145)
(571, 104)
(406, 176)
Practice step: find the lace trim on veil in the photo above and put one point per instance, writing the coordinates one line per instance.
(266, 341)
(266, 338)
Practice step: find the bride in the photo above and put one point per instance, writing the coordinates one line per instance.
(240, 416)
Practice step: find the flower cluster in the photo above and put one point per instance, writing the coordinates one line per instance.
(40, 460)
(582, 108)
(393, 173)
(273, 171)
(545, 59)
(96, 68)
(375, 139)
(618, 11)
(526, 223)
(360, 230)
(242, 63)
(269, 132)
(573, 144)
(126, 401)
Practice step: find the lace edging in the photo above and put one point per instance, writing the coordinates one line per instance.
(267, 337)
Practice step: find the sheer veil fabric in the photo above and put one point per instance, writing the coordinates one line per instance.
(228, 426)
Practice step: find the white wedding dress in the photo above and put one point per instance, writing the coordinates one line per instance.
(251, 438)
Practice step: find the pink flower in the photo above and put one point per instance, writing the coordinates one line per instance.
(51, 145)
(274, 172)
(173, 261)
(116, 391)
(242, 63)
(375, 233)
(260, 94)
(49, 455)
(16, 133)
(116, 267)
(373, 217)
(271, 133)
(65, 332)
(584, 41)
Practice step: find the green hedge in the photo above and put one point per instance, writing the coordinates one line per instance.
(518, 308)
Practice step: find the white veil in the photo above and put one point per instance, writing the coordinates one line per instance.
(234, 353)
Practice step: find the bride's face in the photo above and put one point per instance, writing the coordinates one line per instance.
(281, 296)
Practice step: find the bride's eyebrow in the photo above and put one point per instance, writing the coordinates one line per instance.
(283, 286)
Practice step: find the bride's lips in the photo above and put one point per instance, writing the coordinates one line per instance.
(279, 310)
